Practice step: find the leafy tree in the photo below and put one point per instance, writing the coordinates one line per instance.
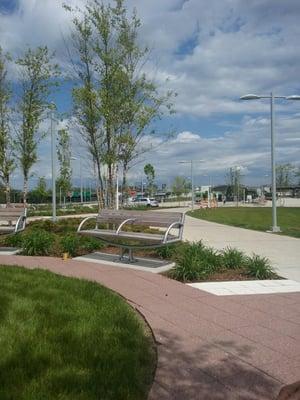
(37, 74)
(114, 97)
(179, 186)
(7, 164)
(64, 158)
(40, 193)
(150, 175)
(284, 174)
(234, 178)
(297, 175)
(85, 96)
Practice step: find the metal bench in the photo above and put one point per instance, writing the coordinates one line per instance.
(116, 234)
(12, 220)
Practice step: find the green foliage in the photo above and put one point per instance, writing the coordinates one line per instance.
(284, 174)
(70, 339)
(64, 157)
(179, 186)
(258, 218)
(70, 244)
(7, 164)
(37, 74)
(167, 252)
(233, 258)
(259, 267)
(115, 103)
(90, 244)
(14, 240)
(37, 243)
(150, 175)
(195, 262)
(40, 193)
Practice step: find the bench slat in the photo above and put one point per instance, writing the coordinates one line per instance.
(142, 217)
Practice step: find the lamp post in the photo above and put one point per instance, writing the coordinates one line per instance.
(275, 228)
(80, 172)
(192, 177)
(53, 137)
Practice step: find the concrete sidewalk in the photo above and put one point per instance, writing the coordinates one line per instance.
(283, 251)
(209, 347)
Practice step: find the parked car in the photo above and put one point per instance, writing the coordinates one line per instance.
(145, 201)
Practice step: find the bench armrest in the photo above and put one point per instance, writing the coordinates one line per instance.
(20, 225)
(173, 225)
(84, 221)
(123, 223)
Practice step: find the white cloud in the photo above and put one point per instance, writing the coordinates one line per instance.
(212, 54)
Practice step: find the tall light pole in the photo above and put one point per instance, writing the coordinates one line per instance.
(80, 172)
(192, 177)
(53, 137)
(275, 228)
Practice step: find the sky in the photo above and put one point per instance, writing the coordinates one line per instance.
(210, 54)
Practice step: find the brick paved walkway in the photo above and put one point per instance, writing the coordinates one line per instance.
(209, 347)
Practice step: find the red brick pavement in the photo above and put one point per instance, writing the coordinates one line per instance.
(209, 347)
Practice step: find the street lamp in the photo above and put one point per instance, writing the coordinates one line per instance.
(192, 176)
(81, 183)
(53, 137)
(275, 227)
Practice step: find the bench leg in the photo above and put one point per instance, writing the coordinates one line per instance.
(129, 258)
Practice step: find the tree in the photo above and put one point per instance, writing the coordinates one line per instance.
(234, 178)
(284, 174)
(297, 175)
(7, 164)
(114, 97)
(179, 186)
(150, 175)
(85, 96)
(37, 75)
(64, 157)
(40, 193)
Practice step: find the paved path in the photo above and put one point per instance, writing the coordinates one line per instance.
(283, 251)
(209, 347)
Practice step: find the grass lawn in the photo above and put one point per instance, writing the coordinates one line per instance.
(257, 218)
(68, 339)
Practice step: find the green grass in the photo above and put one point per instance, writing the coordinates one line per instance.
(257, 218)
(67, 339)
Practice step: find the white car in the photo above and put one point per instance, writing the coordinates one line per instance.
(145, 201)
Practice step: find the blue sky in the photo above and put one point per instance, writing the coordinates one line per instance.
(210, 53)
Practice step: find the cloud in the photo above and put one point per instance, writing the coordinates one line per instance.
(211, 54)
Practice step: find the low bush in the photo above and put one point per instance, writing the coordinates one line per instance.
(37, 243)
(89, 244)
(233, 258)
(70, 244)
(13, 240)
(259, 267)
(195, 262)
(168, 251)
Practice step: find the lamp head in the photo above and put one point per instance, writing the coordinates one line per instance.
(293, 97)
(250, 97)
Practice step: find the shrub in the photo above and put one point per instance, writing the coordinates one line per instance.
(37, 243)
(167, 251)
(70, 244)
(14, 240)
(259, 267)
(233, 258)
(90, 244)
(195, 262)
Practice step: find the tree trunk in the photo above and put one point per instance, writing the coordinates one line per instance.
(111, 190)
(124, 183)
(7, 191)
(25, 190)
